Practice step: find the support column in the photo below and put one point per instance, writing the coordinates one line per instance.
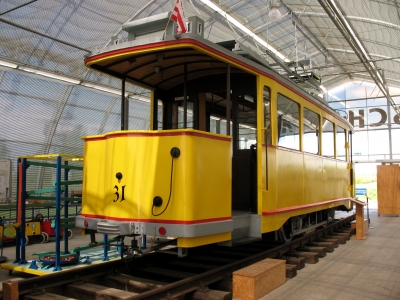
(185, 97)
(124, 108)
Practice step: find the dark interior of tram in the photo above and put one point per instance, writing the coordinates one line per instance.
(208, 109)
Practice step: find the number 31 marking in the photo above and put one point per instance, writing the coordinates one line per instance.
(117, 193)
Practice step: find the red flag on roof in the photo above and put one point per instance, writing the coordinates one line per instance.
(178, 17)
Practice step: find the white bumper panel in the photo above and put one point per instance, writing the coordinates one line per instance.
(175, 230)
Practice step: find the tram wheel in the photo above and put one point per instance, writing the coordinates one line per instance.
(285, 233)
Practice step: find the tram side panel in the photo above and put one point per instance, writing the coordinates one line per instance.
(313, 183)
(93, 188)
(343, 179)
(299, 180)
(329, 175)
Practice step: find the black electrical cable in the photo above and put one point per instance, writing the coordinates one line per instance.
(170, 192)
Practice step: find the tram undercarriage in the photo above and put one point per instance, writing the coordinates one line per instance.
(304, 224)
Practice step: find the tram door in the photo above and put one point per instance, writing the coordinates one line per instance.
(244, 160)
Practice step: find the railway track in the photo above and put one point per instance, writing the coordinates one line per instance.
(204, 274)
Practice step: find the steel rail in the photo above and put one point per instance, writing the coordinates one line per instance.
(59, 278)
(175, 289)
(182, 287)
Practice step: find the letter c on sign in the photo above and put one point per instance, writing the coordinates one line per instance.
(383, 116)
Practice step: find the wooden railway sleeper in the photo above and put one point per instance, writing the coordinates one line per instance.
(329, 246)
(205, 293)
(341, 239)
(332, 240)
(299, 262)
(310, 257)
(320, 250)
(291, 271)
(36, 291)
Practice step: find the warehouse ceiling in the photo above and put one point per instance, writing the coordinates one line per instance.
(338, 40)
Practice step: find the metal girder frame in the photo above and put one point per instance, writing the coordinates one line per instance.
(311, 38)
(336, 15)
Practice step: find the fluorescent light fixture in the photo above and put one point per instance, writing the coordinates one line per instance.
(49, 75)
(323, 89)
(274, 14)
(102, 88)
(8, 64)
(244, 29)
(139, 97)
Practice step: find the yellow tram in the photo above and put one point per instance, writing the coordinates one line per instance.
(234, 150)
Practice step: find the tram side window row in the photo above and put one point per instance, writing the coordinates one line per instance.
(288, 120)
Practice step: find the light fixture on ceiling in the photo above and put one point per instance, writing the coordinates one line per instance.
(274, 14)
(49, 75)
(139, 97)
(102, 88)
(8, 64)
(239, 25)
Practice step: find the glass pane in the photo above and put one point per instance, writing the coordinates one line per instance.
(340, 143)
(378, 142)
(247, 122)
(181, 122)
(359, 148)
(395, 141)
(328, 146)
(288, 123)
(160, 110)
(311, 131)
(355, 91)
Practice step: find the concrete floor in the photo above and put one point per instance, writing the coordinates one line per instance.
(360, 269)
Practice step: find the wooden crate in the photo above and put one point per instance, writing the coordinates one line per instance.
(388, 189)
(257, 280)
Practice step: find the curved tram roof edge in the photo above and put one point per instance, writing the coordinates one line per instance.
(130, 48)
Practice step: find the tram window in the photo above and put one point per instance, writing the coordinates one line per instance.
(327, 139)
(340, 143)
(160, 111)
(311, 131)
(247, 122)
(218, 125)
(288, 123)
(267, 115)
(181, 123)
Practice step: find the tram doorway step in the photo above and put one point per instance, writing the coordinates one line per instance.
(246, 228)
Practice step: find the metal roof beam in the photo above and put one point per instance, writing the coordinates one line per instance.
(313, 40)
(43, 34)
(16, 7)
(337, 17)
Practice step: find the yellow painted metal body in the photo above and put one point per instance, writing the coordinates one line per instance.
(291, 182)
(201, 178)
(32, 228)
